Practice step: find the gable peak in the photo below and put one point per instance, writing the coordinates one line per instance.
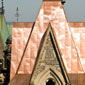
(48, 62)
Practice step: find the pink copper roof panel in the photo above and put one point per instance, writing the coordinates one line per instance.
(78, 33)
(22, 24)
(20, 35)
(77, 24)
(77, 79)
(50, 12)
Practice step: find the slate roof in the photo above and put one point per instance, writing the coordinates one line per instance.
(4, 33)
(70, 38)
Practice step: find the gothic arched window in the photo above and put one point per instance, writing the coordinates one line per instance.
(50, 82)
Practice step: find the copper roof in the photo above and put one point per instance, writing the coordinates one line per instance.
(68, 42)
(77, 24)
(20, 35)
(78, 35)
(77, 78)
(20, 79)
(22, 24)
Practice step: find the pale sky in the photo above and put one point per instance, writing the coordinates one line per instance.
(28, 9)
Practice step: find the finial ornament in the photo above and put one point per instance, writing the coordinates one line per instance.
(2, 7)
(63, 1)
(17, 14)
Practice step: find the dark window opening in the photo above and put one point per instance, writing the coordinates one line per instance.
(50, 82)
(1, 64)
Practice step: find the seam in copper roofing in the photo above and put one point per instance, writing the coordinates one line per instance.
(22, 24)
(77, 24)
